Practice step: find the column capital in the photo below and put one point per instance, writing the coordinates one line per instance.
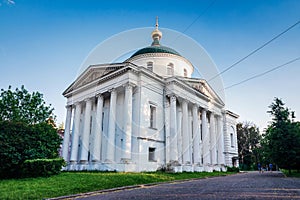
(68, 106)
(173, 98)
(88, 99)
(99, 95)
(204, 110)
(129, 85)
(195, 106)
(112, 90)
(77, 103)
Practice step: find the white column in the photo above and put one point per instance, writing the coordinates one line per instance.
(86, 131)
(75, 134)
(167, 129)
(221, 141)
(190, 120)
(185, 133)
(67, 133)
(196, 139)
(205, 138)
(179, 134)
(127, 124)
(173, 131)
(97, 135)
(213, 139)
(110, 153)
(200, 139)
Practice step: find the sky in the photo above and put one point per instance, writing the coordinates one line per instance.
(43, 44)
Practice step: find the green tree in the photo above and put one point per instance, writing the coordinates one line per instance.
(281, 142)
(27, 130)
(248, 143)
(21, 106)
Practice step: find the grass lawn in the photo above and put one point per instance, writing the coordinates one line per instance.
(68, 183)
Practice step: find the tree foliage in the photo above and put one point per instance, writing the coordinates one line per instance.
(248, 144)
(20, 142)
(22, 106)
(27, 130)
(281, 142)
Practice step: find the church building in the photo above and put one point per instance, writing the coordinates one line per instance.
(145, 114)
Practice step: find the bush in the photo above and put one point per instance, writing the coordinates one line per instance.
(42, 167)
(20, 142)
(233, 169)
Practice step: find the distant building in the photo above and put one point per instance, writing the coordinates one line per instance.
(145, 114)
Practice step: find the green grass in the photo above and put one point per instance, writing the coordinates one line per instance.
(68, 183)
(295, 173)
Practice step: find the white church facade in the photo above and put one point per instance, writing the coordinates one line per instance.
(146, 114)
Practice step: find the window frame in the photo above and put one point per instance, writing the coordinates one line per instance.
(150, 66)
(152, 117)
(170, 69)
(151, 154)
(185, 72)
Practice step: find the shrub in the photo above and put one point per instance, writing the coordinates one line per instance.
(20, 142)
(42, 167)
(233, 169)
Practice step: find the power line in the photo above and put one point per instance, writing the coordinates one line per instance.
(203, 12)
(256, 50)
(264, 73)
(191, 24)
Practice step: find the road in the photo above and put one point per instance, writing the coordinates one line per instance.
(250, 185)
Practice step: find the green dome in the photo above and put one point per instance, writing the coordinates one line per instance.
(155, 46)
(155, 49)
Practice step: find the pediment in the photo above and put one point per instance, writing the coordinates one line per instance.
(203, 87)
(92, 73)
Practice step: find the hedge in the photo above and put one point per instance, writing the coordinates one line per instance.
(42, 167)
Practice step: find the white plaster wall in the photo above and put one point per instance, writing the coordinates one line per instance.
(160, 64)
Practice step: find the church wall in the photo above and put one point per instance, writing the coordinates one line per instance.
(160, 65)
(151, 137)
(230, 141)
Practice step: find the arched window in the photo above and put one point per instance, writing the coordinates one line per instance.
(184, 72)
(170, 69)
(150, 66)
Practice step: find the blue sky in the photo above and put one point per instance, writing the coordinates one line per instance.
(44, 42)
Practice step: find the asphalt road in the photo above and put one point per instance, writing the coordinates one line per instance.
(251, 185)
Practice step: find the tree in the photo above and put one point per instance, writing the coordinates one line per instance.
(27, 130)
(248, 142)
(281, 141)
(21, 106)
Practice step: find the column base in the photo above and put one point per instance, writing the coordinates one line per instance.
(187, 168)
(198, 168)
(126, 160)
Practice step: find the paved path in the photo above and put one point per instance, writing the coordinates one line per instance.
(251, 185)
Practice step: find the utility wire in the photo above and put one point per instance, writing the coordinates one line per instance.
(256, 50)
(202, 13)
(264, 73)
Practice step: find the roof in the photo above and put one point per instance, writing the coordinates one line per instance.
(155, 46)
(155, 49)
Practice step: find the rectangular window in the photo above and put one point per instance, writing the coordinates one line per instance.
(152, 116)
(170, 69)
(150, 66)
(231, 139)
(151, 155)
